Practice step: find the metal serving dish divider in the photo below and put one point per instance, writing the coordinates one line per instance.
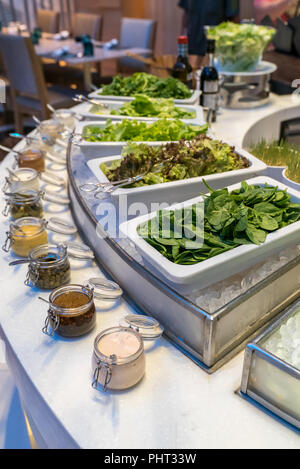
(208, 339)
(268, 381)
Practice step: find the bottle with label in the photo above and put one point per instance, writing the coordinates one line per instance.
(182, 69)
(209, 82)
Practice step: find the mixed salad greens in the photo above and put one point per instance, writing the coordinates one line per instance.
(137, 131)
(239, 47)
(150, 85)
(280, 154)
(244, 216)
(144, 106)
(182, 160)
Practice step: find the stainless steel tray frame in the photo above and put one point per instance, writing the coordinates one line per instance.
(255, 350)
(208, 339)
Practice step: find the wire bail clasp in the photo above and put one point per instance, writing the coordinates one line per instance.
(107, 370)
(8, 242)
(50, 330)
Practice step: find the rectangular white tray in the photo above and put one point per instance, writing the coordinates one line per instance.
(84, 110)
(194, 99)
(178, 191)
(187, 278)
(99, 149)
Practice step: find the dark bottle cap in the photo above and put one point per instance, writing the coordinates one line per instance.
(211, 46)
(182, 40)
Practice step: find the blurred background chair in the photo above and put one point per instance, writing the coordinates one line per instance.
(48, 20)
(82, 24)
(29, 93)
(86, 23)
(136, 32)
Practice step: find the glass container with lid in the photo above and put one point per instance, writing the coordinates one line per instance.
(119, 356)
(66, 117)
(28, 203)
(31, 158)
(28, 233)
(49, 265)
(50, 130)
(29, 179)
(22, 179)
(72, 311)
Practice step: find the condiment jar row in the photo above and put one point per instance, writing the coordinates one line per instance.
(28, 203)
(28, 233)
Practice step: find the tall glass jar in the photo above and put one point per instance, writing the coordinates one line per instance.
(24, 235)
(49, 267)
(50, 130)
(72, 311)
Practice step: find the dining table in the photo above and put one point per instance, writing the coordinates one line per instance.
(48, 48)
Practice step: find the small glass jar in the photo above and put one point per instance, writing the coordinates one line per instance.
(24, 235)
(49, 267)
(118, 361)
(50, 130)
(72, 311)
(32, 158)
(27, 203)
(65, 117)
(22, 179)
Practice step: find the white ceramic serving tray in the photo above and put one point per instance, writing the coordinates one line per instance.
(194, 99)
(84, 110)
(178, 191)
(187, 278)
(101, 149)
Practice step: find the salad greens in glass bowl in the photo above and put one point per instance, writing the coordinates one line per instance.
(239, 47)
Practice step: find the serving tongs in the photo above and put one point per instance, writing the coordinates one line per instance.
(103, 188)
(80, 98)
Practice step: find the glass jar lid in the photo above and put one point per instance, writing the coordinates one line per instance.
(105, 289)
(60, 226)
(27, 196)
(149, 328)
(79, 250)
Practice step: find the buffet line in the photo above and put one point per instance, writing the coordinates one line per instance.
(231, 276)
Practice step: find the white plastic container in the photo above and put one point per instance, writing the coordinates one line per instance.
(187, 278)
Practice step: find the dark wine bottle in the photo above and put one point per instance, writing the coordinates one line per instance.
(209, 81)
(182, 69)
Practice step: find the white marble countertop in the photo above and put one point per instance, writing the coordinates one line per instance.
(176, 405)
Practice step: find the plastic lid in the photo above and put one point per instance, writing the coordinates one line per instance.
(105, 289)
(146, 326)
(60, 226)
(182, 40)
(79, 250)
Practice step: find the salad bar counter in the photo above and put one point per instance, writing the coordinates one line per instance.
(199, 243)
